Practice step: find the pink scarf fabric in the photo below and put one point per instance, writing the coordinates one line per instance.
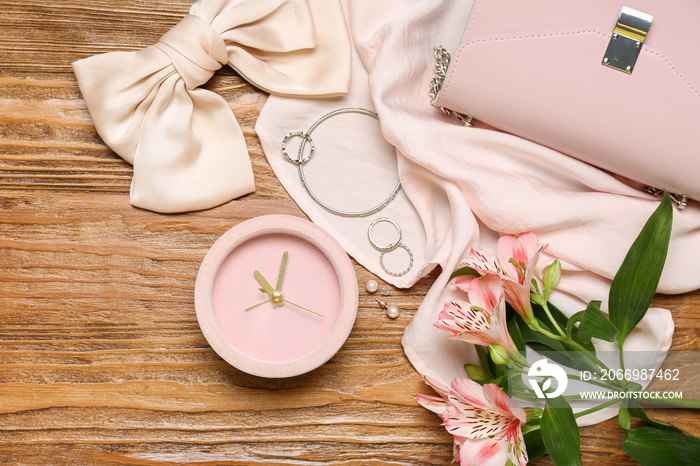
(467, 186)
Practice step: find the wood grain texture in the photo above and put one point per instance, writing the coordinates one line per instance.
(101, 357)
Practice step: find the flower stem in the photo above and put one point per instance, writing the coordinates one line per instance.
(678, 402)
(622, 363)
(597, 408)
(615, 387)
(552, 320)
(547, 333)
(571, 342)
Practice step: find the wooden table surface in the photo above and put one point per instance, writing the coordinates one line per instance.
(101, 357)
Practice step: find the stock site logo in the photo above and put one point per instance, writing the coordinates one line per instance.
(552, 371)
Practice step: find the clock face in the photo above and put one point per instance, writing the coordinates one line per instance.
(269, 332)
(276, 296)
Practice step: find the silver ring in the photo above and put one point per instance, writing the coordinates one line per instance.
(300, 158)
(391, 246)
(403, 272)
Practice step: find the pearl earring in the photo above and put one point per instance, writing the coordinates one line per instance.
(372, 286)
(391, 311)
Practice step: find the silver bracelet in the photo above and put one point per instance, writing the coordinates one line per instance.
(301, 160)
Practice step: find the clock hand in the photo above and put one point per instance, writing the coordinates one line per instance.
(259, 304)
(288, 302)
(265, 284)
(275, 296)
(302, 307)
(283, 267)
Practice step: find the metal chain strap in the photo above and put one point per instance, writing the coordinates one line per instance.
(442, 63)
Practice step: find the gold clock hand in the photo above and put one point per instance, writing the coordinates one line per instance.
(275, 296)
(302, 307)
(280, 277)
(265, 284)
(256, 305)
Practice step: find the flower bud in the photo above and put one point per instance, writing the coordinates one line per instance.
(533, 413)
(498, 354)
(551, 277)
(518, 360)
(477, 373)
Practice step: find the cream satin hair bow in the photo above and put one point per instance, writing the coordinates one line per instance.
(184, 142)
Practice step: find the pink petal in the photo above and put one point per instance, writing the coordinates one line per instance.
(503, 404)
(518, 296)
(464, 281)
(433, 403)
(522, 458)
(499, 327)
(474, 423)
(520, 248)
(468, 391)
(533, 263)
(470, 414)
(441, 389)
(485, 452)
(458, 318)
(482, 263)
(485, 292)
(474, 338)
(476, 412)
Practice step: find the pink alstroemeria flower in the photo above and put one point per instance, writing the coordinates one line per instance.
(485, 423)
(517, 258)
(482, 320)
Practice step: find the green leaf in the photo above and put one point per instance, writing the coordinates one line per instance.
(573, 320)
(636, 410)
(484, 358)
(534, 445)
(560, 433)
(567, 357)
(477, 373)
(515, 382)
(515, 333)
(563, 322)
(636, 281)
(488, 365)
(650, 446)
(624, 417)
(498, 369)
(530, 335)
(463, 271)
(501, 382)
(594, 323)
(556, 350)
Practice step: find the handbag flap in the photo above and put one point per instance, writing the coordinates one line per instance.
(533, 69)
(670, 35)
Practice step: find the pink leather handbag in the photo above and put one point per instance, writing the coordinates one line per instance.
(612, 83)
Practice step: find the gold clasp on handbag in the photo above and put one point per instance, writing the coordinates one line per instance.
(627, 39)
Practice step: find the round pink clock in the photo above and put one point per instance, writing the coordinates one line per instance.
(276, 296)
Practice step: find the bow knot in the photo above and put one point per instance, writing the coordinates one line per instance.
(195, 49)
(184, 142)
